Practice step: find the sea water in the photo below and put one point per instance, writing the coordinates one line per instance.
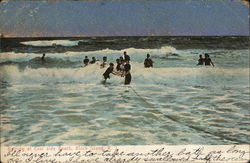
(58, 102)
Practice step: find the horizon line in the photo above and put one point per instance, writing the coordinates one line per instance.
(126, 36)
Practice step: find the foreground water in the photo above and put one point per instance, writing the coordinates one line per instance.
(59, 103)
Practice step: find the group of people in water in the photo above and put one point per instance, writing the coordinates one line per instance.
(123, 67)
(205, 61)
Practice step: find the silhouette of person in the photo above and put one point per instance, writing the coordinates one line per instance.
(108, 71)
(104, 60)
(208, 60)
(127, 74)
(43, 57)
(148, 62)
(93, 60)
(86, 61)
(126, 56)
(201, 61)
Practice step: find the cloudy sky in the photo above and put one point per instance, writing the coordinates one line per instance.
(123, 18)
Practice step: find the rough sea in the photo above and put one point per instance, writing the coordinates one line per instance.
(58, 102)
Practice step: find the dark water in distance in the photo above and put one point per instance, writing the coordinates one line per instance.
(119, 43)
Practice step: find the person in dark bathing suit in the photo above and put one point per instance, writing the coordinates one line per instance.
(148, 62)
(127, 74)
(93, 60)
(104, 60)
(126, 57)
(201, 61)
(86, 61)
(43, 57)
(108, 71)
(208, 60)
(118, 61)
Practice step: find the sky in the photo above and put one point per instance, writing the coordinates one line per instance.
(68, 18)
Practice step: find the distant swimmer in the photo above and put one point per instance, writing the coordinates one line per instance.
(208, 60)
(201, 61)
(148, 62)
(93, 60)
(86, 61)
(126, 56)
(104, 60)
(127, 74)
(43, 57)
(108, 71)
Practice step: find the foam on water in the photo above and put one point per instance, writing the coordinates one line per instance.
(51, 43)
(176, 102)
(92, 74)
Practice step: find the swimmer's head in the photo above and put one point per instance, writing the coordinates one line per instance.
(111, 65)
(148, 55)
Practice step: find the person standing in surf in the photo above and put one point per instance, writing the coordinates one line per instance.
(148, 62)
(86, 61)
(122, 66)
(127, 74)
(201, 61)
(126, 56)
(43, 57)
(118, 62)
(104, 60)
(108, 71)
(93, 60)
(208, 60)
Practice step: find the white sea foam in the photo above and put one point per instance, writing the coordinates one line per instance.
(51, 43)
(92, 74)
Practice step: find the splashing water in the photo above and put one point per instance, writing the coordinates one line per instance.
(57, 102)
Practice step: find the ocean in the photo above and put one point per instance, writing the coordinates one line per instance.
(59, 102)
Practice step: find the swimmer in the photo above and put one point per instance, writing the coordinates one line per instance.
(201, 61)
(127, 74)
(108, 71)
(86, 61)
(104, 60)
(148, 62)
(93, 60)
(126, 57)
(43, 57)
(208, 60)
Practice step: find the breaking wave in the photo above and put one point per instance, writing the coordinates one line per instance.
(92, 74)
(51, 43)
